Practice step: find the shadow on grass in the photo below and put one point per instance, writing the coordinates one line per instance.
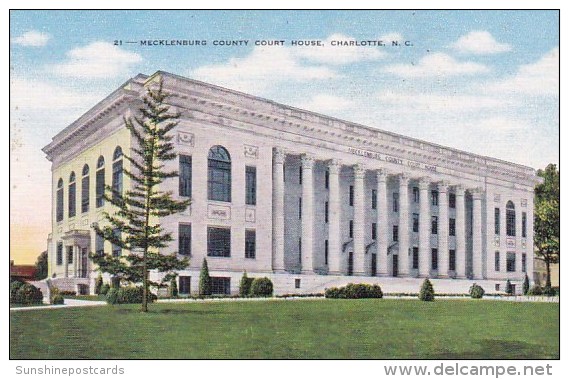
(168, 311)
(499, 349)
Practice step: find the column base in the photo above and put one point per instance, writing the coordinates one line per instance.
(307, 272)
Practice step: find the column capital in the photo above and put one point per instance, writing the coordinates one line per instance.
(381, 175)
(307, 161)
(359, 171)
(424, 183)
(334, 166)
(442, 186)
(476, 193)
(403, 179)
(279, 154)
(459, 189)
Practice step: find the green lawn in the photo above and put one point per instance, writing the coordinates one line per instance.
(453, 329)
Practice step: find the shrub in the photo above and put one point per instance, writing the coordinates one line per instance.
(536, 290)
(112, 296)
(261, 287)
(525, 286)
(57, 299)
(476, 292)
(133, 295)
(355, 291)
(104, 289)
(28, 294)
(205, 280)
(14, 287)
(549, 291)
(245, 285)
(98, 284)
(509, 289)
(427, 292)
(67, 293)
(173, 288)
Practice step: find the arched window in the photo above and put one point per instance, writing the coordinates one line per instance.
(85, 190)
(59, 201)
(219, 174)
(100, 182)
(117, 172)
(71, 196)
(510, 219)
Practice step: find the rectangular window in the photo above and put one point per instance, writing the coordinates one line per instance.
(117, 179)
(300, 175)
(452, 260)
(451, 227)
(373, 199)
(415, 222)
(524, 262)
(100, 187)
(250, 244)
(220, 286)
(99, 245)
(250, 185)
(415, 194)
(300, 250)
(218, 242)
(497, 221)
(59, 205)
(497, 261)
(373, 231)
(59, 254)
(452, 200)
(395, 233)
(184, 288)
(524, 224)
(351, 196)
(415, 258)
(185, 239)
(85, 194)
(511, 262)
(117, 251)
(327, 179)
(297, 283)
(299, 208)
(435, 197)
(185, 176)
(510, 222)
(69, 254)
(434, 225)
(326, 252)
(351, 228)
(434, 259)
(395, 202)
(72, 200)
(326, 212)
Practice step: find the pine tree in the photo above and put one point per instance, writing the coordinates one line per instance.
(525, 286)
(173, 288)
(205, 280)
(98, 284)
(509, 289)
(427, 292)
(139, 208)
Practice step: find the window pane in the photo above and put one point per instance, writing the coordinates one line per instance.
(185, 239)
(59, 205)
(250, 244)
(71, 200)
(251, 185)
(218, 242)
(100, 187)
(185, 285)
(85, 194)
(117, 179)
(185, 176)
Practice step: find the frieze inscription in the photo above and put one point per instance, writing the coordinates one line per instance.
(391, 159)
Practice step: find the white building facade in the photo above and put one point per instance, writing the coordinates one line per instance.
(307, 200)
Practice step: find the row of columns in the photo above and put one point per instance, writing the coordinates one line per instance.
(383, 235)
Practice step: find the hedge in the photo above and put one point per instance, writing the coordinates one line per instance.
(355, 291)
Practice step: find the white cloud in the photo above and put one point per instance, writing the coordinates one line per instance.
(437, 64)
(262, 69)
(538, 79)
(340, 55)
(327, 103)
(480, 43)
(98, 60)
(32, 38)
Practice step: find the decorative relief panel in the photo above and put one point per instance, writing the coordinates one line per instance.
(186, 138)
(524, 243)
(218, 212)
(250, 215)
(524, 203)
(497, 241)
(85, 222)
(496, 197)
(251, 151)
(511, 242)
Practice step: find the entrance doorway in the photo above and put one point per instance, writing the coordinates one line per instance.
(373, 264)
(84, 262)
(395, 265)
(351, 263)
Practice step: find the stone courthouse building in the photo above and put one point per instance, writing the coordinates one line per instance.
(308, 200)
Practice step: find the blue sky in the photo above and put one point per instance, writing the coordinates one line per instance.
(481, 81)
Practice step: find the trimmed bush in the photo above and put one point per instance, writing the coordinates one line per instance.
(549, 291)
(14, 287)
(261, 287)
(68, 293)
(525, 286)
(174, 288)
(112, 296)
(28, 294)
(57, 300)
(476, 292)
(104, 289)
(133, 295)
(427, 292)
(355, 291)
(98, 284)
(205, 280)
(536, 290)
(245, 285)
(509, 289)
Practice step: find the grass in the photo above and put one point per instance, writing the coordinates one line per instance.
(85, 297)
(457, 329)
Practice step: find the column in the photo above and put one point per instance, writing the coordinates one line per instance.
(307, 223)
(359, 221)
(76, 255)
(334, 211)
(443, 230)
(278, 209)
(403, 265)
(66, 261)
(382, 229)
(460, 233)
(424, 229)
(477, 234)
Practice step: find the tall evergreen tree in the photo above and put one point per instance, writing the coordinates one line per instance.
(139, 208)
(546, 219)
(41, 266)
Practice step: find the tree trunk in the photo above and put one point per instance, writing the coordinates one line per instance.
(548, 273)
(144, 285)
